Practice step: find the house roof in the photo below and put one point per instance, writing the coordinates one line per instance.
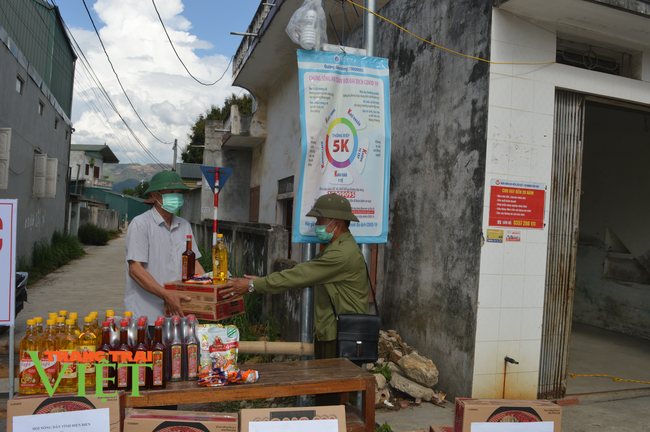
(105, 151)
(189, 171)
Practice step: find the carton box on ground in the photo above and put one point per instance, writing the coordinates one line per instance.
(468, 411)
(216, 311)
(440, 428)
(337, 412)
(199, 292)
(44, 404)
(147, 420)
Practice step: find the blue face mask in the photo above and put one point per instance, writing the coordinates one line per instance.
(172, 202)
(321, 232)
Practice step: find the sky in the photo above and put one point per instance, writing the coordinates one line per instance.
(167, 99)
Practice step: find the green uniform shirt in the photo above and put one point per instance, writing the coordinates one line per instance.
(339, 270)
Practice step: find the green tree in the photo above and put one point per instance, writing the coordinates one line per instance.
(128, 191)
(197, 137)
(138, 191)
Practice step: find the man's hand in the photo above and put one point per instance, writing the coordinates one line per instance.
(237, 286)
(173, 302)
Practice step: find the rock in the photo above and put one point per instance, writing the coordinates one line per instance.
(396, 355)
(419, 369)
(392, 367)
(381, 380)
(399, 381)
(380, 362)
(381, 395)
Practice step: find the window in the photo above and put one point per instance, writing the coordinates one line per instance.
(56, 124)
(96, 172)
(87, 169)
(41, 108)
(254, 206)
(20, 84)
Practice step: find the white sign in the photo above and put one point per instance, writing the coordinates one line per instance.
(295, 426)
(513, 427)
(97, 420)
(8, 215)
(345, 118)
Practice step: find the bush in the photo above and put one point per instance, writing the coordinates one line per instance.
(93, 235)
(47, 257)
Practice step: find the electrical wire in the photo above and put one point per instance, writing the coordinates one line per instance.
(118, 77)
(443, 48)
(610, 376)
(179, 57)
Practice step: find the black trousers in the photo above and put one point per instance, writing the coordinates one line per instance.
(326, 350)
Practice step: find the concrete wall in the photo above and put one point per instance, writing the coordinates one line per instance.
(103, 218)
(520, 147)
(615, 179)
(38, 218)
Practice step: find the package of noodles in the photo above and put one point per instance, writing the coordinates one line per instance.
(223, 372)
(218, 340)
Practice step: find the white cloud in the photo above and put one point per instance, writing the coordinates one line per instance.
(167, 99)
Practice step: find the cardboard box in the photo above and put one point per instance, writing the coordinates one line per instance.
(247, 416)
(146, 420)
(218, 311)
(198, 292)
(43, 404)
(439, 428)
(470, 411)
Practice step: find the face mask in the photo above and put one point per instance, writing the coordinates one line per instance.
(172, 202)
(322, 234)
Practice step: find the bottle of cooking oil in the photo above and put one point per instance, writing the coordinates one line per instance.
(63, 313)
(39, 326)
(59, 330)
(88, 342)
(74, 316)
(68, 343)
(220, 260)
(97, 330)
(51, 367)
(29, 379)
(53, 316)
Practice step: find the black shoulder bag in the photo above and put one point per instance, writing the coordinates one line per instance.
(358, 334)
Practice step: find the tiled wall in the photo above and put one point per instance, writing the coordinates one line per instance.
(520, 140)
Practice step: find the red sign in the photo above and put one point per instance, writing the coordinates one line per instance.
(517, 204)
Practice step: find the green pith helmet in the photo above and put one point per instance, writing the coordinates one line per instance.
(333, 206)
(166, 180)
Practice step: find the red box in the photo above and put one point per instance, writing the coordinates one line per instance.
(439, 428)
(208, 293)
(468, 411)
(218, 311)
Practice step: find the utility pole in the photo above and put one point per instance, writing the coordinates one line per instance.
(175, 150)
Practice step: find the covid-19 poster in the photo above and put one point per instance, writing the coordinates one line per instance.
(345, 118)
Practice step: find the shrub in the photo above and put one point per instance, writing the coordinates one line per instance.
(47, 257)
(93, 235)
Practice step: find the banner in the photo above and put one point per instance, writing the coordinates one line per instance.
(345, 118)
(8, 213)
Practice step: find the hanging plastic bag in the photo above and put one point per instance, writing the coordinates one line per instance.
(307, 26)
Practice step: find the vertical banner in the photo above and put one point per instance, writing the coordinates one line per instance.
(345, 118)
(8, 214)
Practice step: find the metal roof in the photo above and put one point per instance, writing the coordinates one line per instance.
(107, 154)
(190, 171)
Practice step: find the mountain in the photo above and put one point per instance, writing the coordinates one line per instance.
(129, 175)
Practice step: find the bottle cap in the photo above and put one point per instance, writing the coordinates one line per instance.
(60, 320)
(53, 315)
(50, 322)
(219, 235)
(39, 320)
(189, 236)
(110, 312)
(88, 319)
(69, 322)
(128, 313)
(124, 324)
(31, 322)
(159, 323)
(63, 313)
(106, 324)
(141, 322)
(176, 318)
(191, 318)
(110, 319)
(73, 315)
(93, 314)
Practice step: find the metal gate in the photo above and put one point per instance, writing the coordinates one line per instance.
(566, 177)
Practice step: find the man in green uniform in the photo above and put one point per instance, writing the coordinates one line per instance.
(337, 273)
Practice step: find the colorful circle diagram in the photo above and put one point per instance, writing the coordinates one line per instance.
(341, 143)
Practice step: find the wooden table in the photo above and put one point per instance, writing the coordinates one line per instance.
(280, 380)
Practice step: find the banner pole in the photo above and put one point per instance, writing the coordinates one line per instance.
(306, 313)
(12, 341)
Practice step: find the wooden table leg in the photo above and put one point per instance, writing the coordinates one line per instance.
(368, 405)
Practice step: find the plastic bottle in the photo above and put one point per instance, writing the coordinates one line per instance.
(39, 326)
(59, 330)
(176, 349)
(63, 313)
(220, 260)
(53, 316)
(144, 373)
(191, 352)
(96, 327)
(74, 316)
(109, 314)
(159, 358)
(88, 343)
(51, 367)
(188, 260)
(115, 334)
(29, 378)
(107, 372)
(68, 343)
(128, 314)
(123, 373)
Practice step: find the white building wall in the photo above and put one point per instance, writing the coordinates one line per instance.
(519, 147)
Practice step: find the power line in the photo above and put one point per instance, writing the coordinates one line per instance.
(118, 78)
(179, 57)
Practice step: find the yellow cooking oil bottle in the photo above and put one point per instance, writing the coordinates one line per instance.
(219, 261)
(74, 316)
(50, 364)
(88, 343)
(29, 378)
(68, 343)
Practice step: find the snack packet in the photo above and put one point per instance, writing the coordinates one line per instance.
(218, 340)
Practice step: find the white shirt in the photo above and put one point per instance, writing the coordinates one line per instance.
(159, 249)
